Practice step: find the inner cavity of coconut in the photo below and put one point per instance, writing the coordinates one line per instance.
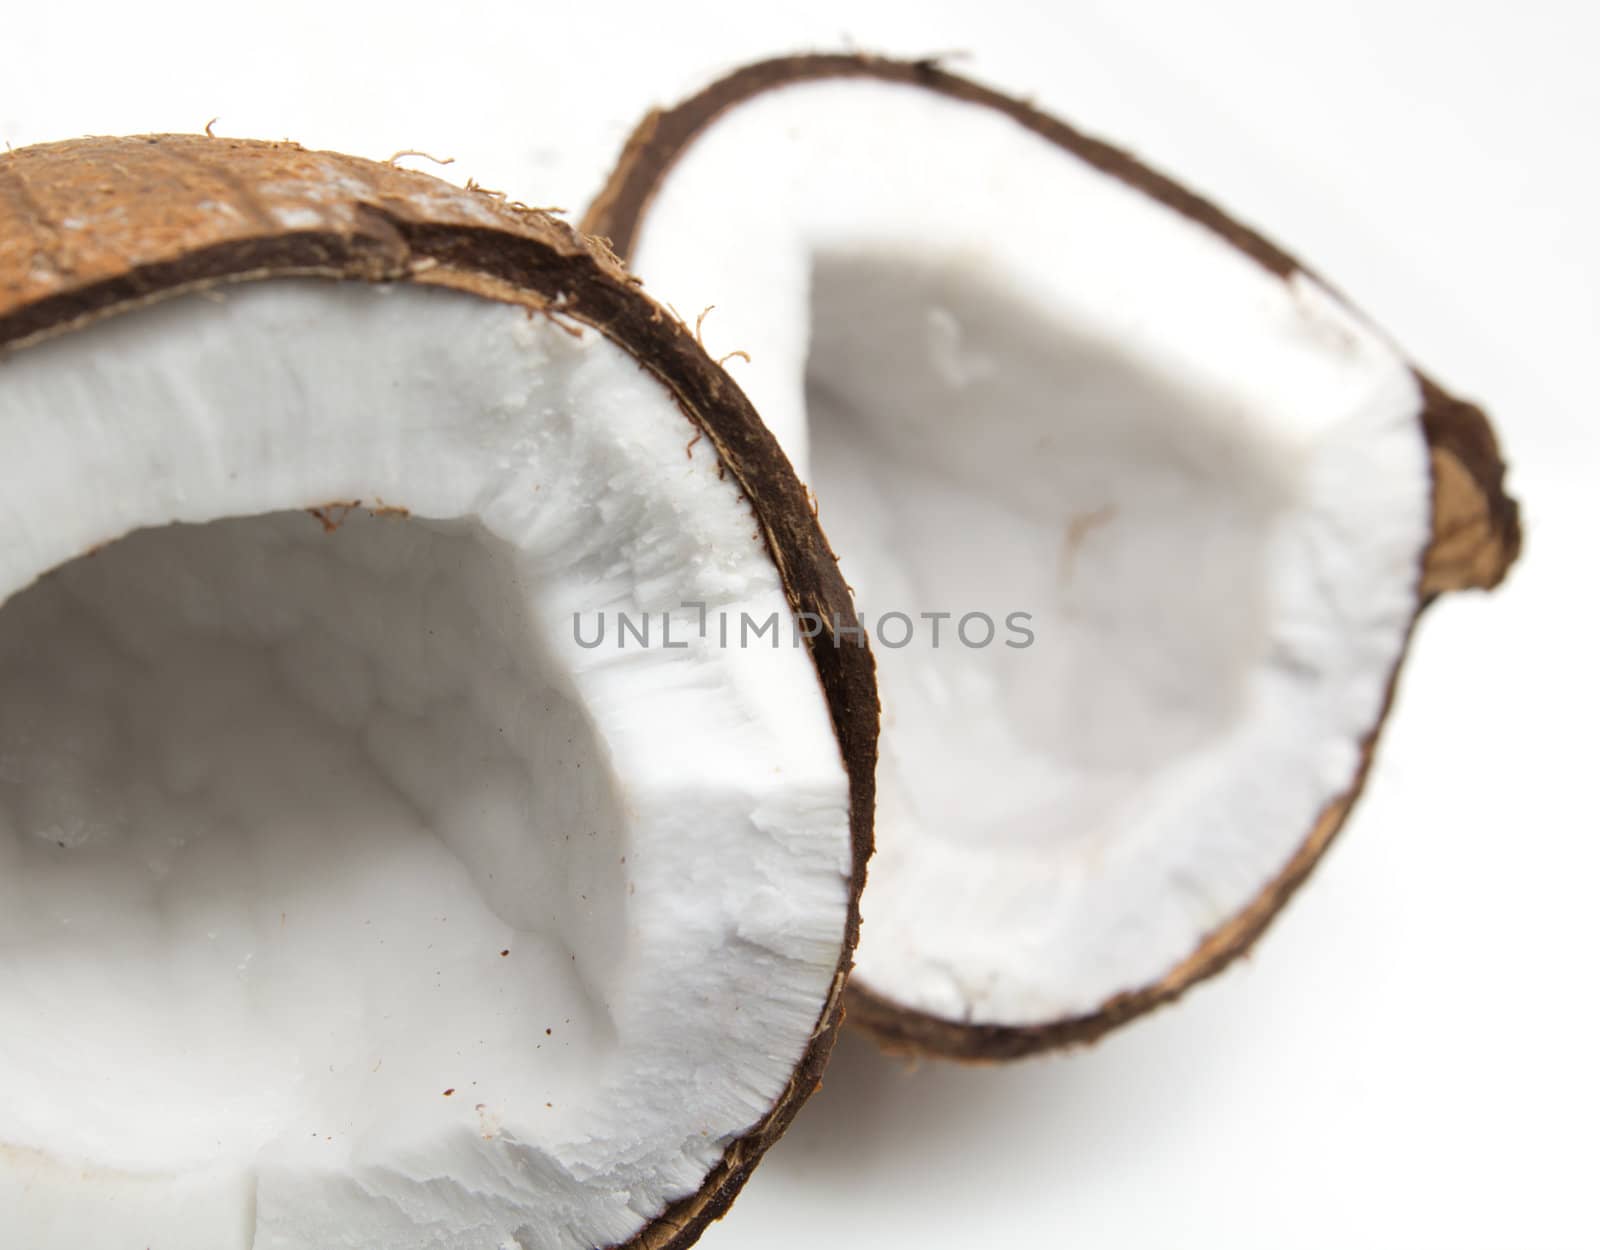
(1019, 386)
(303, 821)
(341, 891)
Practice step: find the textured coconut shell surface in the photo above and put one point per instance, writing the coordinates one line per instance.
(1476, 530)
(96, 227)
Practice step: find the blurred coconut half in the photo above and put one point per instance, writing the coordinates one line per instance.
(1143, 510)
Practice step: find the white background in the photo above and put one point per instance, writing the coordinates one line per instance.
(1412, 1057)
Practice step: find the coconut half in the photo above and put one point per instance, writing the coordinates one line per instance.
(1139, 512)
(351, 892)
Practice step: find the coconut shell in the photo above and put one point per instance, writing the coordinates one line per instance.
(1476, 536)
(97, 227)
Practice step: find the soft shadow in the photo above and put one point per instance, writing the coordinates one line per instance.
(884, 1128)
(872, 1105)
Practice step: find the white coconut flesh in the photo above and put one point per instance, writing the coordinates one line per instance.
(1019, 385)
(345, 901)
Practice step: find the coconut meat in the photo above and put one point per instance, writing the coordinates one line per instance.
(1019, 385)
(344, 899)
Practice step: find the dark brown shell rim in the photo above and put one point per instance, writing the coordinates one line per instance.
(96, 227)
(1477, 532)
